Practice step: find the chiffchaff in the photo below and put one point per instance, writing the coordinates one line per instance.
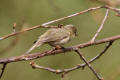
(55, 36)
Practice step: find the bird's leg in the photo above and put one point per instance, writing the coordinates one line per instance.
(56, 47)
(59, 47)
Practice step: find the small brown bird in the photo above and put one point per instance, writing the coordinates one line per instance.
(55, 36)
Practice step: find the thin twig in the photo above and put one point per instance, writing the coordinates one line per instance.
(87, 63)
(29, 29)
(106, 48)
(101, 26)
(3, 70)
(112, 8)
(57, 71)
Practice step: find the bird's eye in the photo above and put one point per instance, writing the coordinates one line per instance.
(34, 42)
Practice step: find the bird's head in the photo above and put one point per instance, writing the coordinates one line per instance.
(72, 29)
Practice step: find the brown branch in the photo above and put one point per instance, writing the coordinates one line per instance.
(98, 56)
(101, 26)
(29, 29)
(112, 8)
(59, 71)
(88, 64)
(91, 60)
(48, 53)
(44, 25)
(3, 69)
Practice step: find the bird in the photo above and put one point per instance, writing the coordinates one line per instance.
(56, 37)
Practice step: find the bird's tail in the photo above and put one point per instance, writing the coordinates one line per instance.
(33, 47)
(37, 44)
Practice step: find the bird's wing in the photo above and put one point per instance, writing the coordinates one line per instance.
(54, 35)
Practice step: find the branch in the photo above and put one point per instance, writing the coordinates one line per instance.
(101, 26)
(48, 53)
(44, 25)
(88, 64)
(98, 56)
(91, 60)
(3, 69)
(64, 71)
(59, 71)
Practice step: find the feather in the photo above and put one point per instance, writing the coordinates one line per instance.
(33, 47)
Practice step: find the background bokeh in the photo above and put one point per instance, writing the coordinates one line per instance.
(28, 13)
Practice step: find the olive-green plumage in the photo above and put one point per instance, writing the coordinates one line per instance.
(56, 36)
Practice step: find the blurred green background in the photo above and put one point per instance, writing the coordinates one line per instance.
(28, 13)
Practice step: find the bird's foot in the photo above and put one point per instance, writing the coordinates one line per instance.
(57, 48)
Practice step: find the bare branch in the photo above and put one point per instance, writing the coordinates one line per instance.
(3, 70)
(93, 59)
(59, 71)
(48, 53)
(87, 63)
(101, 26)
(44, 25)
(29, 29)
(106, 48)
(112, 8)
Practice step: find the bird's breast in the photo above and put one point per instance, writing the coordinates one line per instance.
(60, 42)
